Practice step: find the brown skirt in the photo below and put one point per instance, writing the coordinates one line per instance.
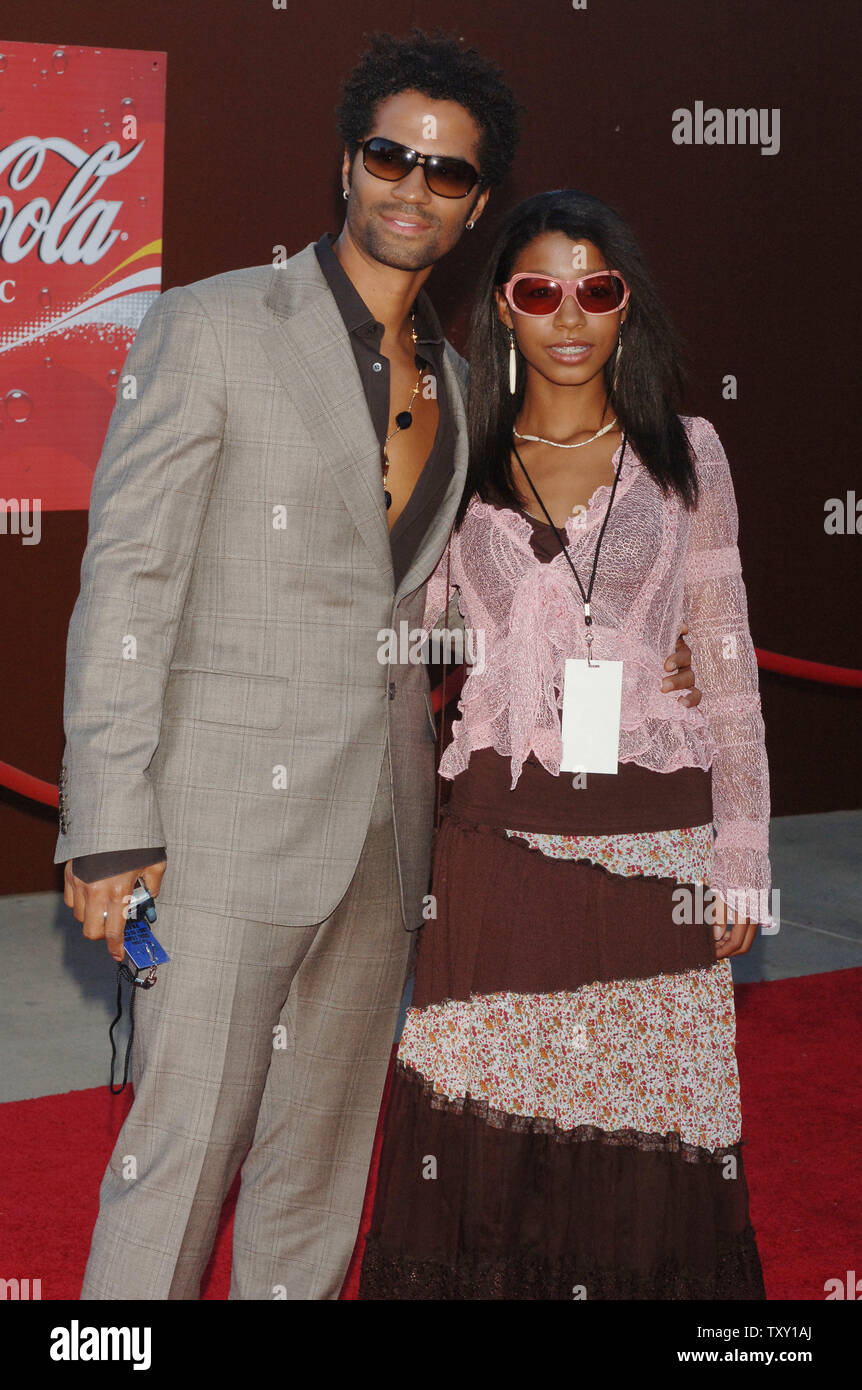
(564, 1117)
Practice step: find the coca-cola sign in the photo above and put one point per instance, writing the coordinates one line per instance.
(81, 166)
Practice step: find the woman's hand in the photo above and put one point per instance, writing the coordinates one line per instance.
(682, 676)
(732, 939)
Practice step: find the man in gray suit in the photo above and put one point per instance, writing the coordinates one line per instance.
(280, 474)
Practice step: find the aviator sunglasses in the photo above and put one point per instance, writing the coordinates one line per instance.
(386, 159)
(600, 292)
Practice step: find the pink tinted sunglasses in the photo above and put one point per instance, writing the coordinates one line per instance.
(600, 292)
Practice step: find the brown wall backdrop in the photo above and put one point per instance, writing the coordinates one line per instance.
(755, 255)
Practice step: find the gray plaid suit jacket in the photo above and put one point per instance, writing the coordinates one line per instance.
(224, 693)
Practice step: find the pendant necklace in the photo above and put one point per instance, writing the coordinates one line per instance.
(404, 418)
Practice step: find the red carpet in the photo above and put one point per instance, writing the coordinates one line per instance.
(798, 1047)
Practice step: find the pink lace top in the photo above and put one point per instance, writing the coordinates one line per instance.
(659, 565)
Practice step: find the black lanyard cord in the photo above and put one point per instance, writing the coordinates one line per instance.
(123, 970)
(563, 545)
(124, 973)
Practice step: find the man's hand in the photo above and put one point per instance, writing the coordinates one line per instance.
(100, 906)
(682, 677)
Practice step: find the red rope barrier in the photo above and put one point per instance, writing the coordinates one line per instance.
(454, 681)
(807, 670)
(32, 787)
(46, 792)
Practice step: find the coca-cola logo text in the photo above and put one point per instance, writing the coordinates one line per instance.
(78, 227)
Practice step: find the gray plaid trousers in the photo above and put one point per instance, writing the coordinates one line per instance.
(273, 1037)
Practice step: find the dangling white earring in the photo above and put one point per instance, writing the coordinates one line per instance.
(470, 225)
(513, 364)
(346, 194)
(618, 355)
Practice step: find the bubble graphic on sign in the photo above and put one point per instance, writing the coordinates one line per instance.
(19, 406)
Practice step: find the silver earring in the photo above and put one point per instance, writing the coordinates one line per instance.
(470, 225)
(346, 194)
(513, 364)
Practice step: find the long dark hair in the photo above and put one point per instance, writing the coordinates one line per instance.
(650, 380)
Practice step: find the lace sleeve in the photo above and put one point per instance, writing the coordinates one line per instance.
(438, 595)
(725, 669)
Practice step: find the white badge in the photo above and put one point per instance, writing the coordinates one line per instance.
(591, 716)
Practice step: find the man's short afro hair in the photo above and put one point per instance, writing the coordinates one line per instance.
(436, 65)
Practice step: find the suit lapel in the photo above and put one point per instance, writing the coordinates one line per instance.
(311, 353)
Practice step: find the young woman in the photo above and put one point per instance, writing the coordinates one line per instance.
(564, 1120)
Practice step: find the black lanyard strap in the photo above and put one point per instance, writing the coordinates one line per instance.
(124, 973)
(565, 549)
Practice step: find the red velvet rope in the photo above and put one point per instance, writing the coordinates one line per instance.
(32, 787)
(46, 792)
(807, 670)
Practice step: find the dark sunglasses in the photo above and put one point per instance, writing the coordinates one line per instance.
(386, 159)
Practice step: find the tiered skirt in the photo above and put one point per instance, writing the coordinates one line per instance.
(564, 1120)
